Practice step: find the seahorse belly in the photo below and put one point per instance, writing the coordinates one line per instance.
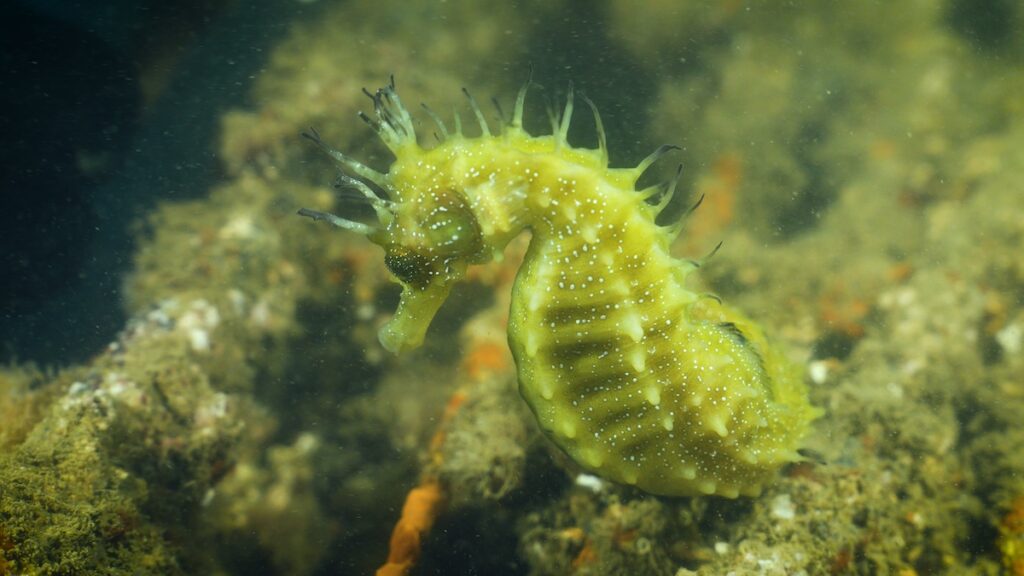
(634, 376)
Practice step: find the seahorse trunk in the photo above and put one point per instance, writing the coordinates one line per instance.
(633, 375)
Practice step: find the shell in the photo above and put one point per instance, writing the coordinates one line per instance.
(634, 376)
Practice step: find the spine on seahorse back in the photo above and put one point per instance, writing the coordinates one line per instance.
(634, 376)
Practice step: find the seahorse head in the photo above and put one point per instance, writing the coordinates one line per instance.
(429, 239)
(428, 245)
(428, 231)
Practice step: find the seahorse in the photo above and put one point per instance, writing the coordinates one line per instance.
(637, 378)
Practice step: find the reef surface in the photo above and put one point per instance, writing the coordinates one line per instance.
(864, 173)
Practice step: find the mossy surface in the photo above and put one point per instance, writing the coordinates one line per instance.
(25, 393)
(863, 171)
(112, 474)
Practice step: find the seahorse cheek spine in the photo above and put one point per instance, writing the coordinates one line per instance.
(635, 377)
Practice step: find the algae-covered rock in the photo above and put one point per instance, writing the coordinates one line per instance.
(113, 473)
(24, 397)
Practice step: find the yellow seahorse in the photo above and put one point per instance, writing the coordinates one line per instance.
(635, 377)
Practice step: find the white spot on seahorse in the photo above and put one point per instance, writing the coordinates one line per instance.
(729, 491)
(631, 325)
(619, 288)
(653, 395)
(544, 198)
(547, 391)
(638, 358)
(593, 457)
(570, 212)
(568, 427)
(536, 300)
(532, 343)
(706, 487)
(716, 422)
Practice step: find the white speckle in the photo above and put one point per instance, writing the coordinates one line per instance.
(721, 548)
(782, 507)
(238, 300)
(241, 227)
(818, 371)
(199, 339)
(590, 482)
(895, 389)
(260, 314)
(1011, 338)
(365, 311)
(160, 316)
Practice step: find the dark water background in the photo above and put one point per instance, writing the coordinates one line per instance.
(87, 152)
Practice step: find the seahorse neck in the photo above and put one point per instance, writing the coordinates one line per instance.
(531, 182)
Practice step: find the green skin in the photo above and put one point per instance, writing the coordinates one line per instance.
(635, 377)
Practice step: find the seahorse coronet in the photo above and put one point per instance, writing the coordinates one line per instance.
(635, 377)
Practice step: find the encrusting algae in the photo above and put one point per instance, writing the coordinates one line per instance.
(633, 375)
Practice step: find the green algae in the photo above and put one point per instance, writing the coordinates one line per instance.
(108, 476)
(25, 394)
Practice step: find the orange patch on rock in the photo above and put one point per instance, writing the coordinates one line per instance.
(717, 211)
(486, 358)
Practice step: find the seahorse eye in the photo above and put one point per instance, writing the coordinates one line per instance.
(452, 229)
(409, 267)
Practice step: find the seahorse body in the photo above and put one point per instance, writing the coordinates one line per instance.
(635, 377)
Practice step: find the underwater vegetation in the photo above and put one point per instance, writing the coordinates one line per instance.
(862, 170)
